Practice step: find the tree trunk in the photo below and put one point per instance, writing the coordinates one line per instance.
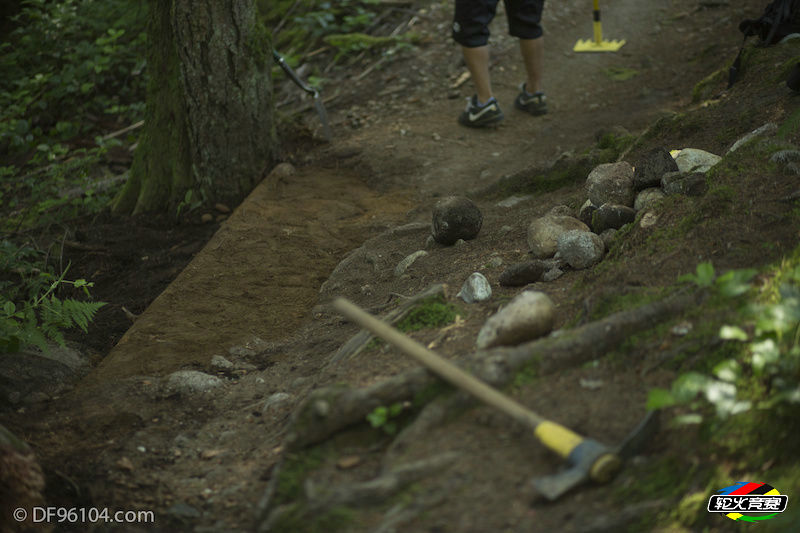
(209, 120)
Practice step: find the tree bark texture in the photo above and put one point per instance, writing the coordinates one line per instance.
(209, 120)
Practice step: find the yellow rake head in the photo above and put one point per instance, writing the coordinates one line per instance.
(598, 44)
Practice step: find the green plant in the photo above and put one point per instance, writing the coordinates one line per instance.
(384, 418)
(765, 372)
(191, 201)
(57, 102)
(432, 312)
(30, 310)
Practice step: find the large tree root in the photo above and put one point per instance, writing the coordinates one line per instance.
(319, 500)
(330, 409)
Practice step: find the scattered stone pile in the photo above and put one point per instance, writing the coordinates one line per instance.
(618, 194)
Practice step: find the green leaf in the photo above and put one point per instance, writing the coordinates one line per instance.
(9, 308)
(688, 419)
(732, 333)
(729, 370)
(378, 417)
(395, 409)
(705, 274)
(686, 387)
(764, 353)
(659, 398)
(736, 282)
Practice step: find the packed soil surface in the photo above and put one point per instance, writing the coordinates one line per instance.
(255, 285)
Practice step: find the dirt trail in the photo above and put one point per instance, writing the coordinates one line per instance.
(255, 285)
(258, 277)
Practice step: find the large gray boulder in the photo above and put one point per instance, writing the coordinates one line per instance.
(648, 198)
(543, 233)
(581, 249)
(695, 160)
(611, 183)
(528, 316)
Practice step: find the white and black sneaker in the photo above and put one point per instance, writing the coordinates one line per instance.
(479, 116)
(535, 104)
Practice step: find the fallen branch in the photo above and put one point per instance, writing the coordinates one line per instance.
(378, 489)
(328, 410)
(123, 131)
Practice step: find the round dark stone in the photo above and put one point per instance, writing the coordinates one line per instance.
(456, 217)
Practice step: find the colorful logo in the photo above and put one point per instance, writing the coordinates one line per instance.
(748, 502)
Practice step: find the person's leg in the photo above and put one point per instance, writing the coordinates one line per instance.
(471, 30)
(524, 22)
(532, 57)
(477, 60)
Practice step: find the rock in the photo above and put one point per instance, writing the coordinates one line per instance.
(581, 249)
(222, 208)
(207, 218)
(608, 237)
(652, 167)
(552, 274)
(611, 183)
(767, 129)
(648, 220)
(694, 160)
(220, 363)
(192, 382)
(522, 273)
(692, 184)
(511, 201)
(610, 216)
(475, 289)
(403, 265)
(526, 317)
(543, 233)
(561, 210)
(586, 212)
(32, 375)
(648, 198)
(788, 160)
(275, 402)
(455, 217)
(22, 485)
(282, 170)
(495, 262)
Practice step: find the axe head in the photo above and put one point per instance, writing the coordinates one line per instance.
(593, 461)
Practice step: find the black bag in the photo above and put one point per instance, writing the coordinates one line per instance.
(780, 18)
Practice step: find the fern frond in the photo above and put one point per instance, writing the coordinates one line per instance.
(81, 313)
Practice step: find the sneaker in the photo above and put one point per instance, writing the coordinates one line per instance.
(477, 116)
(535, 104)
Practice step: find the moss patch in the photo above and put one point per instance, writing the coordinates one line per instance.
(432, 312)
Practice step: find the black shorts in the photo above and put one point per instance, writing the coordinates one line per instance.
(472, 18)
